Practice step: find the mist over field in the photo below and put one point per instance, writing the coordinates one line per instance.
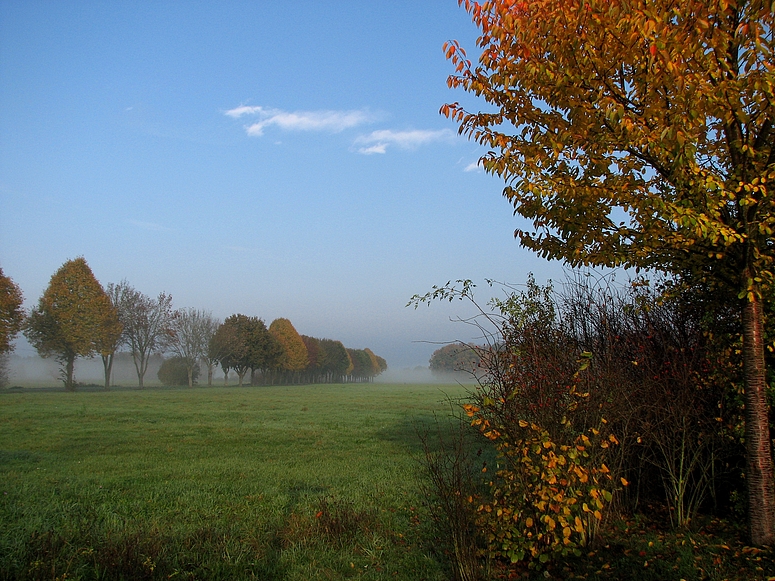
(35, 371)
(31, 370)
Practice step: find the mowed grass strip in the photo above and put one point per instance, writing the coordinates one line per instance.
(290, 482)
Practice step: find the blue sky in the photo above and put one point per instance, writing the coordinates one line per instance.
(272, 159)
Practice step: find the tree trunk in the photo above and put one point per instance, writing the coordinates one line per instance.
(107, 363)
(759, 469)
(190, 376)
(141, 364)
(70, 373)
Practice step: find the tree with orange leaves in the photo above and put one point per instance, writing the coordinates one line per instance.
(11, 312)
(640, 134)
(71, 317)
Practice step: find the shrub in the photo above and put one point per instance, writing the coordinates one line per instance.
(173, 371)
(583, 391)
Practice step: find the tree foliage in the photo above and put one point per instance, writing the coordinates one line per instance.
(592, 386)
(245, 344)
(70, 318)
(11, 312)
(640, 134)
(454, 358)
(294, 356)
(232, 342)
(334, 361)
(176, 371)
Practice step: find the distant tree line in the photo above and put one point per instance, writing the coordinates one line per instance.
(77, 317)
(454, 358)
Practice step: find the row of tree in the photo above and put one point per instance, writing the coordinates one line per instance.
(76, 317)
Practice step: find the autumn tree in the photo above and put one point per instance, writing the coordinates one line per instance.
(294, 355)
(313, 357)
(362, 369)
(146, 323)
(221, 347)
(454, 358)
(333, 360)
(11, 318)
(382, 364)
(70, 317)
(11, 312)
(190, 334)
(232, 340)
(266, 351)
(244, 344)
(640, 134)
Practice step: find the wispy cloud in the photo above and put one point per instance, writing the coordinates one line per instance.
(378, 141)
(150, 226)
(332, 121)
(474, 166)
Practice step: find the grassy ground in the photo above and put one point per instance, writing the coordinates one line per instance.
(280, 483)
(303, 482)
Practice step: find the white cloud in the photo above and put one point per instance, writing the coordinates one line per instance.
(333, 121)
(378, 141)
(378, 148)
(238, 112)
(474, 166)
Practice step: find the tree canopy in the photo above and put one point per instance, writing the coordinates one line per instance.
(294, 357)
(70, 317)
(640, 134)
(454, 358)
(11, 312)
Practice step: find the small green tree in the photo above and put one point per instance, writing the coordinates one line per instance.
(70, 317)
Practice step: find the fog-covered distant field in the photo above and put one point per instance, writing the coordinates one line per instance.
(34, 371)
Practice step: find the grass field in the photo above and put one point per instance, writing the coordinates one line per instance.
(301, 482)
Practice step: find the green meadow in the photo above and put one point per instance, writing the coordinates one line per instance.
(291, 482)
